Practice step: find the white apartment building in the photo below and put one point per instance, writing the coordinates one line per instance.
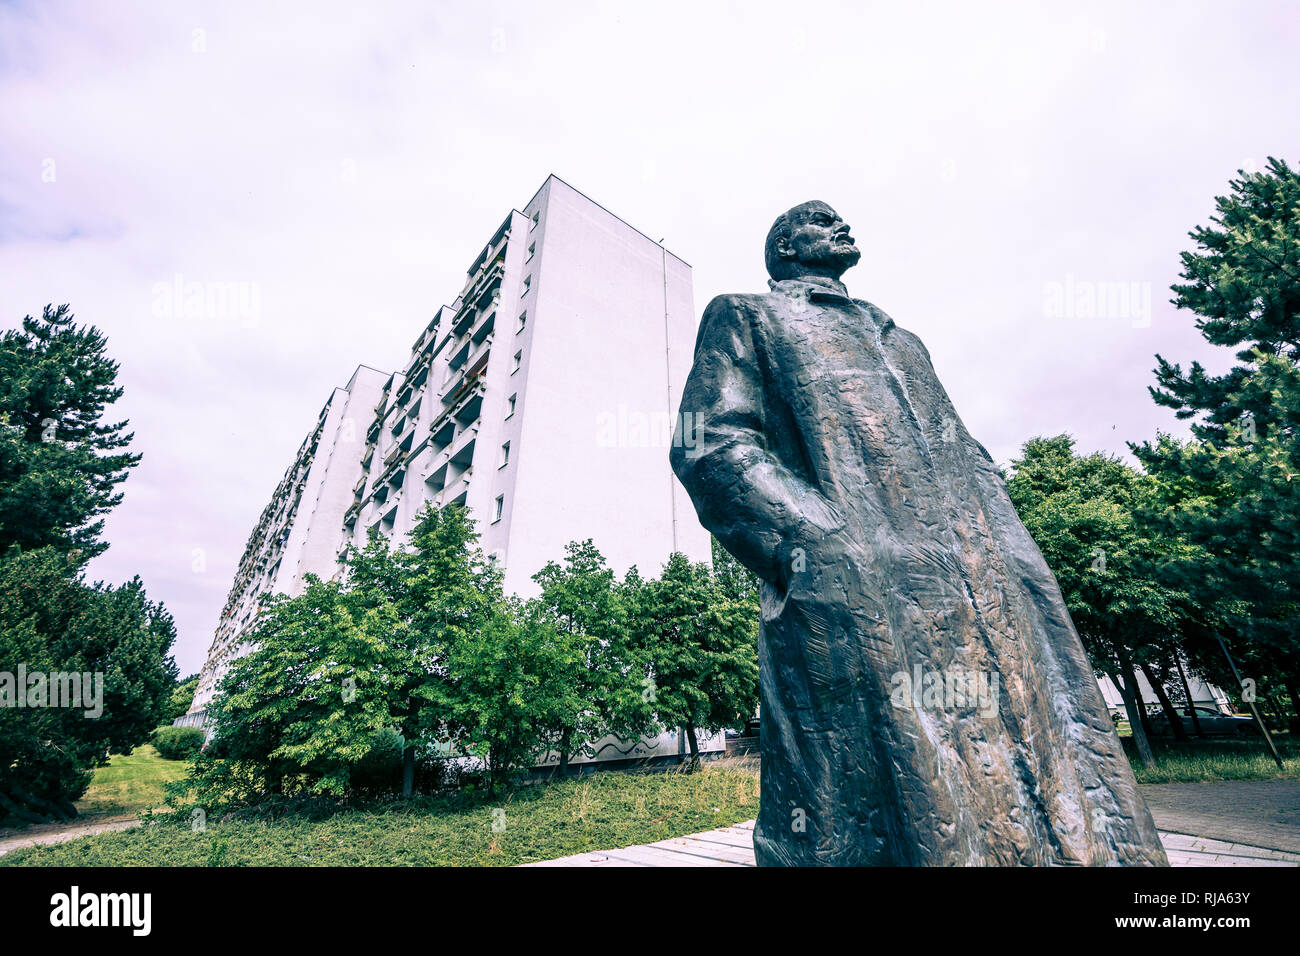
(542, 398)
(298, 532)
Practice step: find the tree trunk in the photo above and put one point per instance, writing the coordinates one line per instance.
(1293, 689)
(20, 812)
(565, 739)
(1171, 713)
(1127, 690)
(694, 760)
(408, 771)
(1187, 693)
(64, 814)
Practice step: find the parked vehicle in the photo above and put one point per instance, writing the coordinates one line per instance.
(1213, 722)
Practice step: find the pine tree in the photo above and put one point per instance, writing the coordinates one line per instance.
(1243, 285)
(59, 464)
(1233, 490)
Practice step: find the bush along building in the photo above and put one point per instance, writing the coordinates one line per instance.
(542, 398)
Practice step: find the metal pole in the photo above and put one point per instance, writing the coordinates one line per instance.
(1250, 703)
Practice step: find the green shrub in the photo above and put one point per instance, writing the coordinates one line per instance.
(177, 743)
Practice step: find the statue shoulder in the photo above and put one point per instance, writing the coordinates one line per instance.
(734, 317)
(887, 324)
(737, 302)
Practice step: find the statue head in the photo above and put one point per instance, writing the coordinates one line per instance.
(810, 239)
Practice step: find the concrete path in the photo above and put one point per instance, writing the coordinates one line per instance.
(733, 846)
(1254, 812)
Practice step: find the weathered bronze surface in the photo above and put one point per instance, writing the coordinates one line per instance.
(925, 698)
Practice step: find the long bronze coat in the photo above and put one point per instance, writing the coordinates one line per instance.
(828, 459)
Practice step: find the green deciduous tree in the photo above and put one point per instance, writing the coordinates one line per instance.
(603, 691)
(182, 696)
(1084, 513)
(296, 714)
(509, 684)
(701, 642)
(416, 641)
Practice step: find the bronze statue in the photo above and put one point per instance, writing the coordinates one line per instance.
(925, 698)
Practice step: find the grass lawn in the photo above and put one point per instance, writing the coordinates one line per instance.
(1223, 758)
(602, 811)
(129, 784)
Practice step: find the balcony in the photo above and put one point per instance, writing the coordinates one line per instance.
(460, 355)
(466, 410)
(437, 479)
(484, 328)
(494, 246)
(481, 298)
(419, 373)
(461, 451)
(441, 436)
(478, 356)
(461, 387)
(394, 470)
(441, 344)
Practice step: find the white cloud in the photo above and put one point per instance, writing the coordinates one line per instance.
(348, 162)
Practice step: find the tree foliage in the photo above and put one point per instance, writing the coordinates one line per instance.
(1084, 512)
(1233, 490)
(701, 640)
(60, 465)
(601, 679)
(52, 622)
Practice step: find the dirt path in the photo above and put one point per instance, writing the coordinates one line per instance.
(61, 832)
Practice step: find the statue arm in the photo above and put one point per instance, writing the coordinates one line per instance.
(758, 508)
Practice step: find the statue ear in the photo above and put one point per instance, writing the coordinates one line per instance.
(783, 248)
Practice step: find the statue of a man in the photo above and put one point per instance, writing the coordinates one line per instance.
(925, 697)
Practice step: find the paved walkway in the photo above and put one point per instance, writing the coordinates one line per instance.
(1254, 812)
(734, 846)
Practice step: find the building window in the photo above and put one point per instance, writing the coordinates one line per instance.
(519, 358)
(510, 405)
(532, 251)
(505, 454)
(499, 508)
(523, 320)
(537, 217)
(528, 282)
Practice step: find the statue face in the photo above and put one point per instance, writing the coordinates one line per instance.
(819, 241)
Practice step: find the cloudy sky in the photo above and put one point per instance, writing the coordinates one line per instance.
(1020, 180)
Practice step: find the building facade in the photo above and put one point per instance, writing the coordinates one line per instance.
(299, 530)
(542, 398)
